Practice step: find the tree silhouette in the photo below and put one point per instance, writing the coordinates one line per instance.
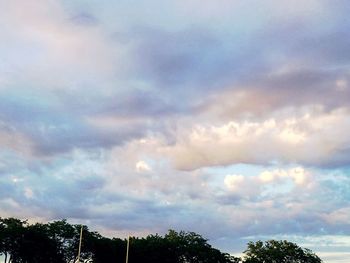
(58, 242)
(12, 235)
(273, 251)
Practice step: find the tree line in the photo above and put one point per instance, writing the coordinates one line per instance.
(58, 242)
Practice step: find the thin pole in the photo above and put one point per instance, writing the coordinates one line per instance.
(81, 237)
(127, 250)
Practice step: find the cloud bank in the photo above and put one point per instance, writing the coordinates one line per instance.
(178, 114)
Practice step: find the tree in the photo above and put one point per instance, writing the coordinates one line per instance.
(190, 247)
(12, 232)
(58, 242)
(67, 238)
(273, 251)
(36, 246)
(106, 249)
(176, 247)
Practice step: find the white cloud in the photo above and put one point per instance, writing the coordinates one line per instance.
(298, 175)
(233, 182)
(316, 139)
(142, 166)
(267, 177)
(269, 183)
(335, 256)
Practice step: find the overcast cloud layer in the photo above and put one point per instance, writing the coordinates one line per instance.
(227, 118)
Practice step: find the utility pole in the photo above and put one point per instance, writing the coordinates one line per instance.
(81, 237)
(127, 250)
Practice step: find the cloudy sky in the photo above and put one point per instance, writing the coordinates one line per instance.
(227, 118)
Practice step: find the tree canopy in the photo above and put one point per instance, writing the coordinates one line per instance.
(273, 251)
(58, 242)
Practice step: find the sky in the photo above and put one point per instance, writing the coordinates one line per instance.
(226, 118)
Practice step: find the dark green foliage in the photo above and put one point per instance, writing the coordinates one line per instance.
(58, 242)
(66, 236)
(191, 247)
(175, 247)
(36, 246)
(278, 252)
(12, 236)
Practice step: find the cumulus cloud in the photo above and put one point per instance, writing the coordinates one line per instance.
(106, 190)
(268, 183)
(143, 72)
(311, 139)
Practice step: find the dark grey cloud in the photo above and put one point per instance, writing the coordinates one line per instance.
(142, 104)
(304, 87)
(190, 60)
(197, 63)
(331, 48)
(53, 128)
